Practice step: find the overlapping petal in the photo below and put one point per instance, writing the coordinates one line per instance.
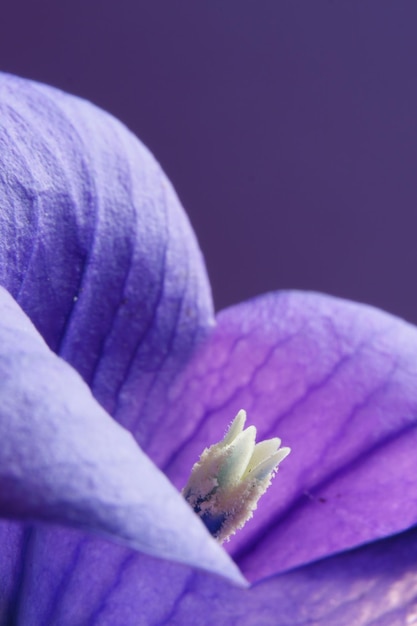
(64, 460)
(96, 249)
(337, 382)
(377, 351)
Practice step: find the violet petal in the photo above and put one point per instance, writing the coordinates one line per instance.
(96, 248)
(64, 460)
(375, 585)
(94, 582)
(337, 382)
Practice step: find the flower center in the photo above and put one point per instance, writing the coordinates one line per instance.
(226, 483)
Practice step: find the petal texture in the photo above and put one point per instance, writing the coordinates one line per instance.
(95, 583)
(372, 586)
(96, 248)
(337, 382)
(64, 460)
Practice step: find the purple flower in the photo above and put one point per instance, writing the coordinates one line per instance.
(99, 265)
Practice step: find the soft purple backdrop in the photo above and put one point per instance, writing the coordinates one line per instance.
(288, 128)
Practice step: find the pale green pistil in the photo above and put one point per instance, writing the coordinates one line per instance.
(230, 477)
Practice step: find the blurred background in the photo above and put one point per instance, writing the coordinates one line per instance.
(288, 128)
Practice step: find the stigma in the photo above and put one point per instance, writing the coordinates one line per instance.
(226, 483)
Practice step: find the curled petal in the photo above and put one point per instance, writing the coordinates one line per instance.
(64, 460)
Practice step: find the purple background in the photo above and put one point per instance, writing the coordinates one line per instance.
(288, 128)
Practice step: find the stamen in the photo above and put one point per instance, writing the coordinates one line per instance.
(226, 483)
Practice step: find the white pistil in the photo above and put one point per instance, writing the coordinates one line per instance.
(226, 483)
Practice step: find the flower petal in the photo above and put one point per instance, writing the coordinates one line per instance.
(64, 460)
(375, 585)
(337, 382)
(13, 541)
(93, 582)
(96, 248)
